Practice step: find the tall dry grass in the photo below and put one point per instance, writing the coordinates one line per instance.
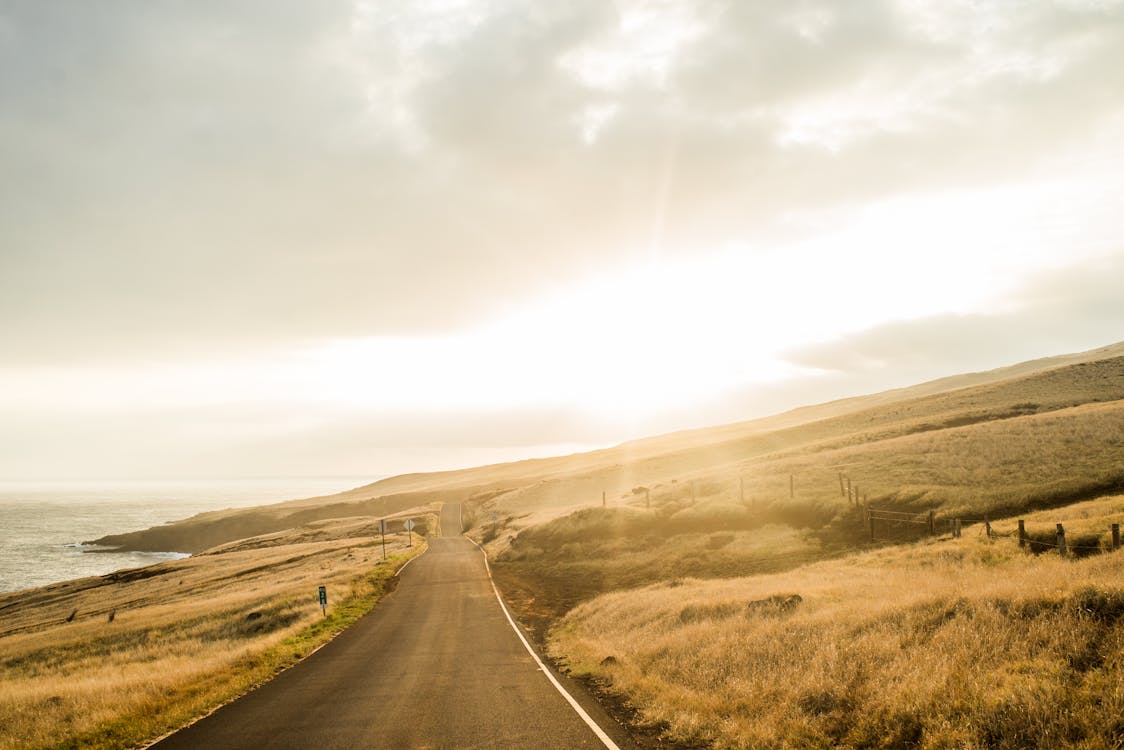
(968, 644)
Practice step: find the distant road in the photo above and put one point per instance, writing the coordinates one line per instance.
(435, 665)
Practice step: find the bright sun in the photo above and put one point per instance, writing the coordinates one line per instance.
(638, 340)
(671, 333)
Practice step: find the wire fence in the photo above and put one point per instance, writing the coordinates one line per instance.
(885, 524)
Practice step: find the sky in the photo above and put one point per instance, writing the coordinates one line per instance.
(283, 238)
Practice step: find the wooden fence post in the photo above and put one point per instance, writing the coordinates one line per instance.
(987, 527)
(956, 528)
(932, 524)
(842, 492)
(1022, 533)
(603, 499)
(1115, 537)
(1061, 540)
(647, 498)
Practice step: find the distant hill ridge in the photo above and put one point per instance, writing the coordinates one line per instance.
(1022, 390)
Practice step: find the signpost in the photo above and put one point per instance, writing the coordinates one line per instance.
(324, 601)
(409, 524)
(382, 531)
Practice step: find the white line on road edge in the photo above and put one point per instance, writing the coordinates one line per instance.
(415, 557)
(605, 739)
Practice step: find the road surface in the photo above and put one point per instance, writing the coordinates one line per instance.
(435, 665)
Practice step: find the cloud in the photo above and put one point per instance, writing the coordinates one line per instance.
(1061, 311)
(189, 176)
(187, 183)
(276, 439)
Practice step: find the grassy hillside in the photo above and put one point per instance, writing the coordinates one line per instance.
(215, 528)
(967, 643)
(547, 486)
(1036, 441)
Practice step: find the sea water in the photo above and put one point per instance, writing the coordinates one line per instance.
(43, 524)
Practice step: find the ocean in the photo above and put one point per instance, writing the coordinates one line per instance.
(43, 524)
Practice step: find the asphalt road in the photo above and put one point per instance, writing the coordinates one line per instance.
(435, 665)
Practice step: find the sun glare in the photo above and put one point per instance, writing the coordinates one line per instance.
(634, 341)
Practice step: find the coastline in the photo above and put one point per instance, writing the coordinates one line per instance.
(48, 523)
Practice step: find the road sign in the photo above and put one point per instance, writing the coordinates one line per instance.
(324, 599)
(409, 524)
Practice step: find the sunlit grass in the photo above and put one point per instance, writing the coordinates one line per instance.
(966, 643)
(738, 519)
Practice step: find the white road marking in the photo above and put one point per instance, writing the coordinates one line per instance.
(605, 739)
(415, 557)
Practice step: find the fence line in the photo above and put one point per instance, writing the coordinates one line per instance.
(896, 520)
(891, 520)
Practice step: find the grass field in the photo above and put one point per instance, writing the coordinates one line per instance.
(738, 519)
(967, 643)
(113, 661)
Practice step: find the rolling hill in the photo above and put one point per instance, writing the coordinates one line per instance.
(815, 443)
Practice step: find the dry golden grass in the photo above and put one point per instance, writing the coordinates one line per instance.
(1092, 518)
(993, 467)
(731, 518)
(967, 643)
(709, 525)
(185, 636)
